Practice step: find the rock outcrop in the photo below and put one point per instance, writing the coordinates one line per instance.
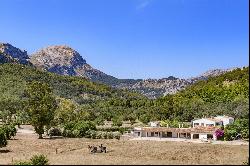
(64, 60)
(11, 54)
(154, 88)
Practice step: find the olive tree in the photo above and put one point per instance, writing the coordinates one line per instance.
(41, 105)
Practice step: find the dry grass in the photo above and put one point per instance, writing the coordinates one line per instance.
(75, 151)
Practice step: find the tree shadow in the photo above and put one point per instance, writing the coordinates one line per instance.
(13, 139)
(4, 151)
(108, 151)
(53, 137)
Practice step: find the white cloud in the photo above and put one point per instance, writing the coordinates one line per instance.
(143, 4)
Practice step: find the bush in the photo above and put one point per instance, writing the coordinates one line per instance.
(83, 127)
(99, 121)
(98, 135)
(10, 130)
(117, 135)
(69, 125)
(75, 134)
(39, 160)
(78, 129)
(219, 134)
(68, 133)
(104, 135)
(91, 134)
(239, 128)
(3, 139)
(35, 160)
(55, 132)
(88, 130)
(117, 122)
(110, 135)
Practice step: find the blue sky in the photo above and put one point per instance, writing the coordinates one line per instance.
(135, 38)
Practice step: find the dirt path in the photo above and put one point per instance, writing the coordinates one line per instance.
(25, 131)
(237, 142)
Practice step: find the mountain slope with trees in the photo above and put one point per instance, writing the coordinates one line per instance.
(225, 94)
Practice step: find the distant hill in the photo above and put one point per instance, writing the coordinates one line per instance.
(14, 77)
(154, 88)
(226, 94)
(64, 60)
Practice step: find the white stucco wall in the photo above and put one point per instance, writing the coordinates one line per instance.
(153, 124)
(205, 121)
(226, 120)
(202, 136)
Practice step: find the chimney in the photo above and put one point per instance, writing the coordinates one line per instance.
(179, 125)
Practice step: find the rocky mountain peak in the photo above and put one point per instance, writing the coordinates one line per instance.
(64, 60)
(59, 55)
(9, 53)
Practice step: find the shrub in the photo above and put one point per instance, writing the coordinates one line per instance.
(117, 122)
(69, 125)
(239, 128)
(110, 135)
(117, 135)
(90, 134)
(78, 129)
(104, 135)
(99, 121)
(3, 139)
(39, 160)
(75, 133)
(6, 131)
(122, 130)
(98, 135)
(219, 133)
(10, 130)
(55, 132)
(35, 160)
(68, 133)
(83, 127)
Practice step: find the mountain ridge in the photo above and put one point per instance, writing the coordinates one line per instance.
(64, 60)
(11, 54)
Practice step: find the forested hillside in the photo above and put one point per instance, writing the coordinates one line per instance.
(80, 91)
(225, 94)
(78, 97)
